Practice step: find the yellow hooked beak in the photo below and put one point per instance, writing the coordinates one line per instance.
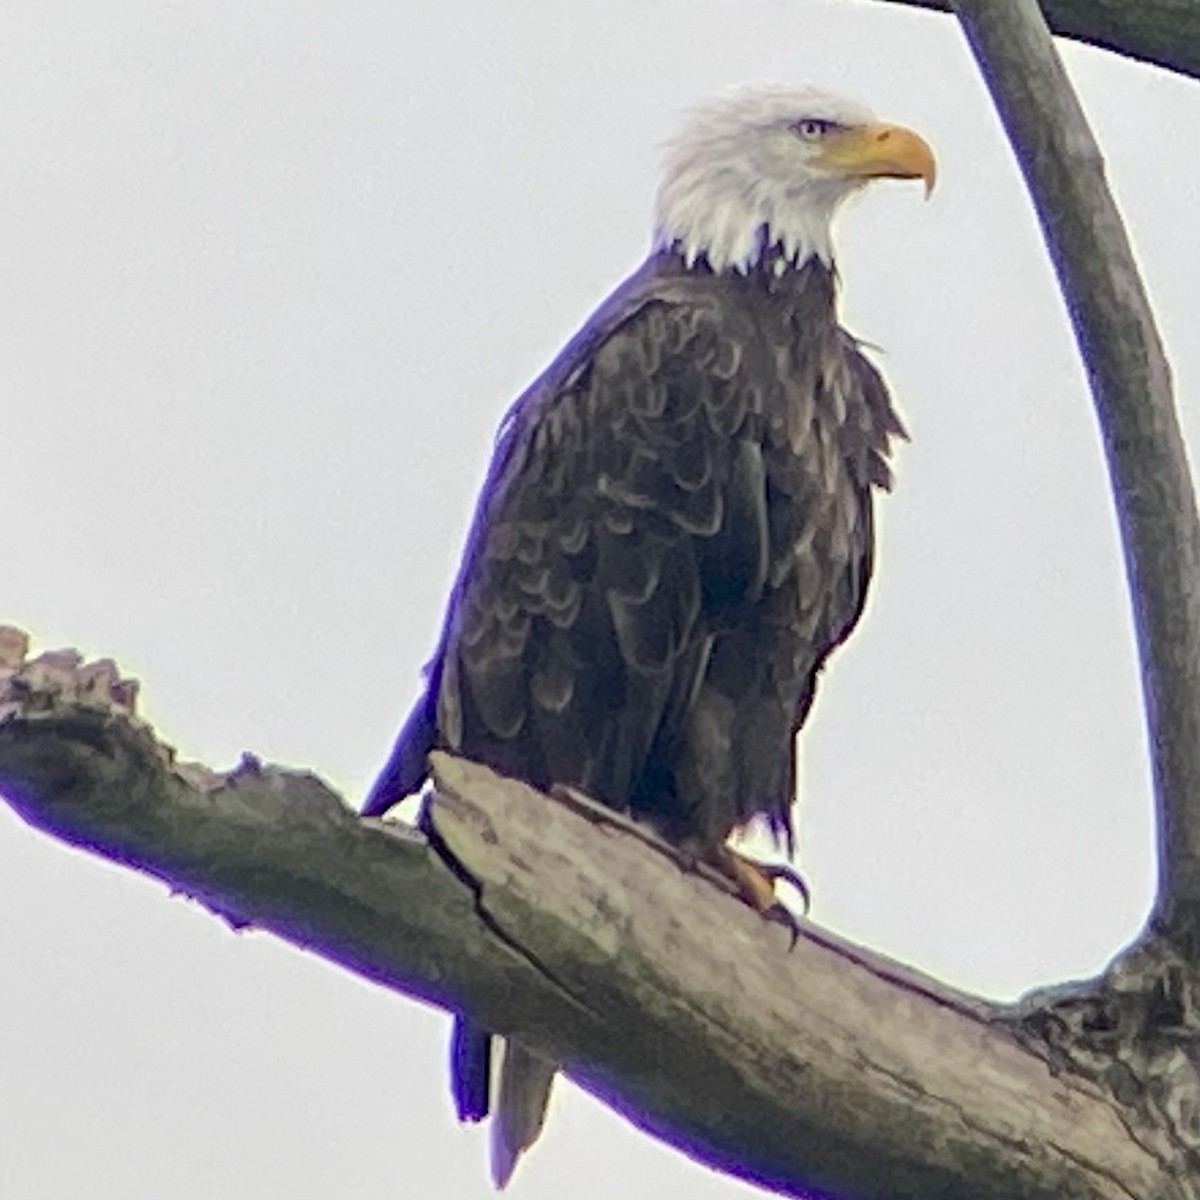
(874, 151)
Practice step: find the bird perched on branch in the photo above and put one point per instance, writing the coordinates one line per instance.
(676, 527)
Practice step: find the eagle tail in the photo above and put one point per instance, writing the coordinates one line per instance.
(470, 1069)
(525, 1080)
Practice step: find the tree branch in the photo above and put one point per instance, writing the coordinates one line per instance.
(826, 1070)
(1163, 32)
(1131, 387)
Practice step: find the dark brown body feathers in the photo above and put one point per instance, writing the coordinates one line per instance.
(674, 534)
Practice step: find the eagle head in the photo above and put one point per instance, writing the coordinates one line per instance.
(761, 167)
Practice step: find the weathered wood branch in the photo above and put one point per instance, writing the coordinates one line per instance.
(1131, 387)
(820, 1070)
(1163, 32)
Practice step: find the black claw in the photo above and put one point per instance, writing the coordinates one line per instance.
(785, 917)
(689, 860)
(777, 871)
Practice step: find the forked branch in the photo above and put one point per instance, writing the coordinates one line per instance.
(1163, 32)
(823, 1069)
(1131, 387)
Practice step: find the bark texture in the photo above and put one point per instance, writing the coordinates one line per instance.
(823, 1070)
(1163, 32)
(1131, 387)
(816, 1070)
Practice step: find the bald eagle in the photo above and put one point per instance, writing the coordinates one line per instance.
(676, 527)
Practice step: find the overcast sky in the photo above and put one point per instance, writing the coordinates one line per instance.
(269, 275)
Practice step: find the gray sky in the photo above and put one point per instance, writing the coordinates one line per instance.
(269, 275)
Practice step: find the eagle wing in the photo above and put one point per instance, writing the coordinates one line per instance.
(626, 519)
(567, 631)
(650, 499)
(669, 542)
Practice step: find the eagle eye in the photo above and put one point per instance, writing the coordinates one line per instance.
(813, 129)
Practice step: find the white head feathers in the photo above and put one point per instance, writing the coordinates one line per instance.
(748, 160)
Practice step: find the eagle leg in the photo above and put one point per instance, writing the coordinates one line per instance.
(751, 881)
(769, 874)
(690, 855)
(754, 882)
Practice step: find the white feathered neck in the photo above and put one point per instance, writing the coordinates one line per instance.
(736, 181)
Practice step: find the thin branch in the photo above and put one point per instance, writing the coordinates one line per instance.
(1163, 32)
(1131, 387)
(824, 1070)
